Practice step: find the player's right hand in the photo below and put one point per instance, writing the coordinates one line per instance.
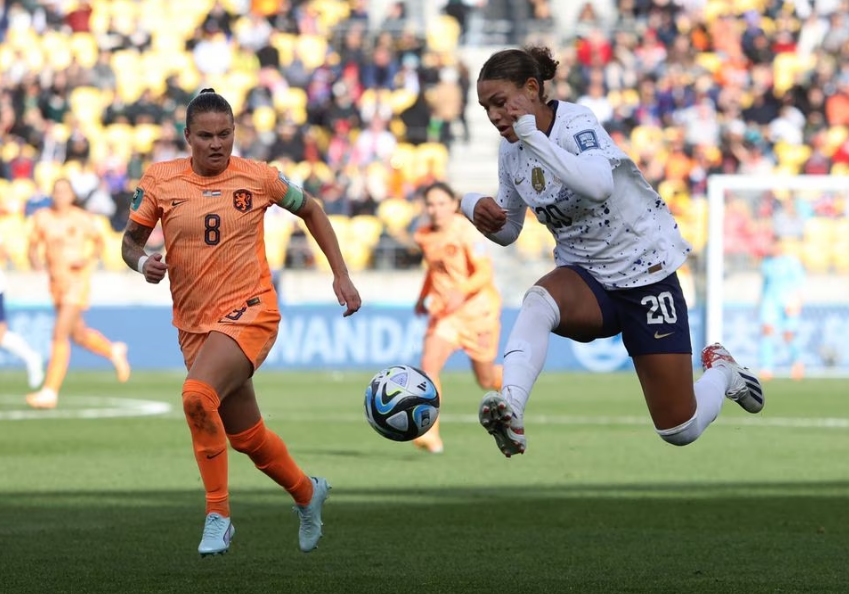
(488, 216)
(420, 309)
(154, 269)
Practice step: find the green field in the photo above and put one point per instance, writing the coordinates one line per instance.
(598, 504)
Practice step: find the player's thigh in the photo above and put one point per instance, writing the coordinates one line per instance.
(667, 382)
(435, 352)
(240, 411)
(68, 315)
(221, 363)
(577, 295)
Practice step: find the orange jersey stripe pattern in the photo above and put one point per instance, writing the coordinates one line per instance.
(214, 234)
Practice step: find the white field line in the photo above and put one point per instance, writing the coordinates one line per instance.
(85, 407)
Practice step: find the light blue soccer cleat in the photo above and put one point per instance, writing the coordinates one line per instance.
(310, 515)
(745, 388)
(217, 533)
(498, 418)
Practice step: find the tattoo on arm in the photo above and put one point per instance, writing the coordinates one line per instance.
(132, 246)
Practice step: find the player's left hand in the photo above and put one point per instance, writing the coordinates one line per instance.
(519, 104)
(347, 294)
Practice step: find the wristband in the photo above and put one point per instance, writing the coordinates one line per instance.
(468, 203)
(140, 265)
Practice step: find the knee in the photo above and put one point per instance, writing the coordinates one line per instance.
(684, 434)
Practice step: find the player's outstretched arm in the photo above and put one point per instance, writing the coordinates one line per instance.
(320, 228)
(132, 251)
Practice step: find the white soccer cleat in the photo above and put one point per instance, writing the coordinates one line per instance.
(745, 388)
(309, 532)
(35, 371)
(498, 418)
(217, 533)
(43, 398)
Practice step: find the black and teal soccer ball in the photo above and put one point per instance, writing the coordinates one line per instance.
(401, 403)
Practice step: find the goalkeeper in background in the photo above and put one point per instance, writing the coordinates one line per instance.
(780, 308)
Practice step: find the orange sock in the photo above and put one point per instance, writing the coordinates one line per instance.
(270, 455)
(200, 403)
(95, 342)
(60, 356)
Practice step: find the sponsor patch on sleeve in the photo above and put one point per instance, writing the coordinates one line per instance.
(587, 140)
(138, 196)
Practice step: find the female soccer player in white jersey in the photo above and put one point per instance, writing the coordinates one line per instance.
(617, 251)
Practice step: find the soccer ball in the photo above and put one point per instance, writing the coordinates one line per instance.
(401, 403)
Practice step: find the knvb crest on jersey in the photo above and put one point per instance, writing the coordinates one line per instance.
(243, 200)
(537, 179)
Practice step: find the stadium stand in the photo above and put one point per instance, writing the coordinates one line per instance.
(96, 90)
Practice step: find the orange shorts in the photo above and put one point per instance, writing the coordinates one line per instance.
(477, 334)
(253, 326)
(71, 289)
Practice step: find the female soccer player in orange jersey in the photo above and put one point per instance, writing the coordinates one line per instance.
(72, 242)
(212, 207)
(459, 295)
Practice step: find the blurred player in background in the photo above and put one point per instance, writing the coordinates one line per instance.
(617, 251)
(71, 242)
(780, 308)
(211, 206)
(15, 343)
(459, 295)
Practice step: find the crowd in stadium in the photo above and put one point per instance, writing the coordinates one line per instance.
(364, 117)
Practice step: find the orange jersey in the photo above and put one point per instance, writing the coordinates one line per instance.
(214, 234)
(67, 239)
(452, 255)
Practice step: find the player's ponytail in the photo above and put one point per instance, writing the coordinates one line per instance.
(518, 65)
(205, 102)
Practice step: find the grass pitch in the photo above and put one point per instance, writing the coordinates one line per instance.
(598, 504)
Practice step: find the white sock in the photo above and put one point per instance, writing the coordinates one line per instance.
(710, 394)
(527, 346)
(16, 345)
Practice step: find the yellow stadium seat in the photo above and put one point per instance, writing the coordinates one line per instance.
(443, 34)
(820, 229)
(432, 160)
(816, 256)
(85, 50)
(404, 160)
(396, 214)
(144, 135)
(840, 169)
(710, 61)
(312, 50)
(840, 255)
(835, 136)
(264, 118)
(57, 49)
(15, 232)
(357, 255)
(46, 174)
(21, 190)
(645, 137)
(401, 99)
(792, 155)
(366, 229)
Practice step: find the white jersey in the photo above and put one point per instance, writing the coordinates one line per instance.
(628, 239)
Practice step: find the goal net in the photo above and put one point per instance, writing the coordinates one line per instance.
(777, 245)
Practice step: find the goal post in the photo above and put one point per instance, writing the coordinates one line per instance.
(809, 214)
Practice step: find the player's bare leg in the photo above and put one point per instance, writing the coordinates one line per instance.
(67, 317)
(92, 340)
(435, 353)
